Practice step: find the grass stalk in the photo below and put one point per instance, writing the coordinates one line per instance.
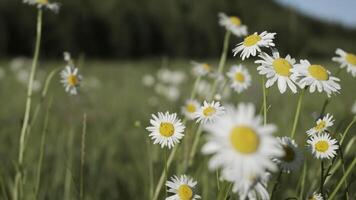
(297, 113)
(82, 157)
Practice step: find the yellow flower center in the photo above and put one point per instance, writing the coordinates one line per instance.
(72, 80)
(206, 67)
(209, 111)
(239, 77)
(318, 72)
(351, 58)
(282, 66)
(166, 129)
(43, 2)
(185, 192)
(190, 108)
(288, 154)
(235, 20)
(251, 40)
(322, 146)
(320, 126)
(244, 139)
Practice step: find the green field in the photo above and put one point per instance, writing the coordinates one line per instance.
(117, 149)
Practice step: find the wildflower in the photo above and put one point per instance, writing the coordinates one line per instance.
(278, 70)
(148, 80)
(201, 69)
(232, 24)
(166, 129)
(316, 77)
(183, 188)
(253, 43)
(293, 156)
(44, 3)
(171, 77)
(316, 196)
(321, 125)
(256, 190)
(71, 79)
(240, 78)
(322, 146)
(347, 60)
(190, 107)
(209, 112)
(241, 146)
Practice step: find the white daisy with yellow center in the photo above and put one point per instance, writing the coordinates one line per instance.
(239, 77)
(71, 79)
(277, 69)
(316, 196)
(293, 156)
(321, 125)
(323, 146)
(209, 112)
(183, 188)
(317, 77)
(166, 129)
(190, 108)
(232, 24)
(44, 3)
(253, 44)
(201, 69)
(241, 146)
(347, 60)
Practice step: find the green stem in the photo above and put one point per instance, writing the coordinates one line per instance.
(165, 170)
(302, 183)
(196, 83)
(275, 187)
(195, 145)
(322, 178)
(347, 130)
(82, 156)
(348, 171)
(150, 167)
(264, 101)
(68, 174)
(297, 113)
(18, 176)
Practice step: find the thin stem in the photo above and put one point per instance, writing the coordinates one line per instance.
(42, 148)
(264, 101)
(217, 180)
(344, 171)
(150, 167)
(325, 104)
(195, 145)
(322, 178)
(165, 169)
(348, 171)
(302, 183)
(296, 117)
(347, 130)
(196, 83)
(275, 187)
(82, 156)
(68, 174)
(18, 176)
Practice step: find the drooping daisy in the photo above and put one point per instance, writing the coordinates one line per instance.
(209, 112)
(293, 156)
(183, 188)
(190, 107)
(321, 125)
(317, 77)
(44, 3)
(347, 60)
(232, 24)
(239, 77)
(241, 146)
(316, 196)
(71, 79)
(166, 129)
(278, 70)
(253, 43)
(201, 69)
(322, 146)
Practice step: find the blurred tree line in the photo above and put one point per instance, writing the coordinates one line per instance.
(142, 28)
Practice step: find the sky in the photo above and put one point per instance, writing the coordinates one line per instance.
(339, 11)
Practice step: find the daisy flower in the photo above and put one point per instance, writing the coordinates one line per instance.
(258, 190)
(209, 112)
(239, 77)
(322, 146)
(44, 3)
(190, 107)
(166, 129)
(232, 24)
(321, 125)
(201, 69)
(316, 196)
(182, 188)
(347, 60)
(241, 146)
(293, 156)
(253, 43)
(317, 77)
(278, 70)
(71, 79)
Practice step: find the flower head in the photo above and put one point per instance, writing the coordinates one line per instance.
(209, 112)
(253, 44)
(232, 24)
(316, 196)
(347, 60)
(190, 108)
(239, 77)
(166, 129)
(183, 188)
(322, 146)
(293, 156)
(201, 69)
(71, 79)
(321, 125)
(44, 3)
(277, 69)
